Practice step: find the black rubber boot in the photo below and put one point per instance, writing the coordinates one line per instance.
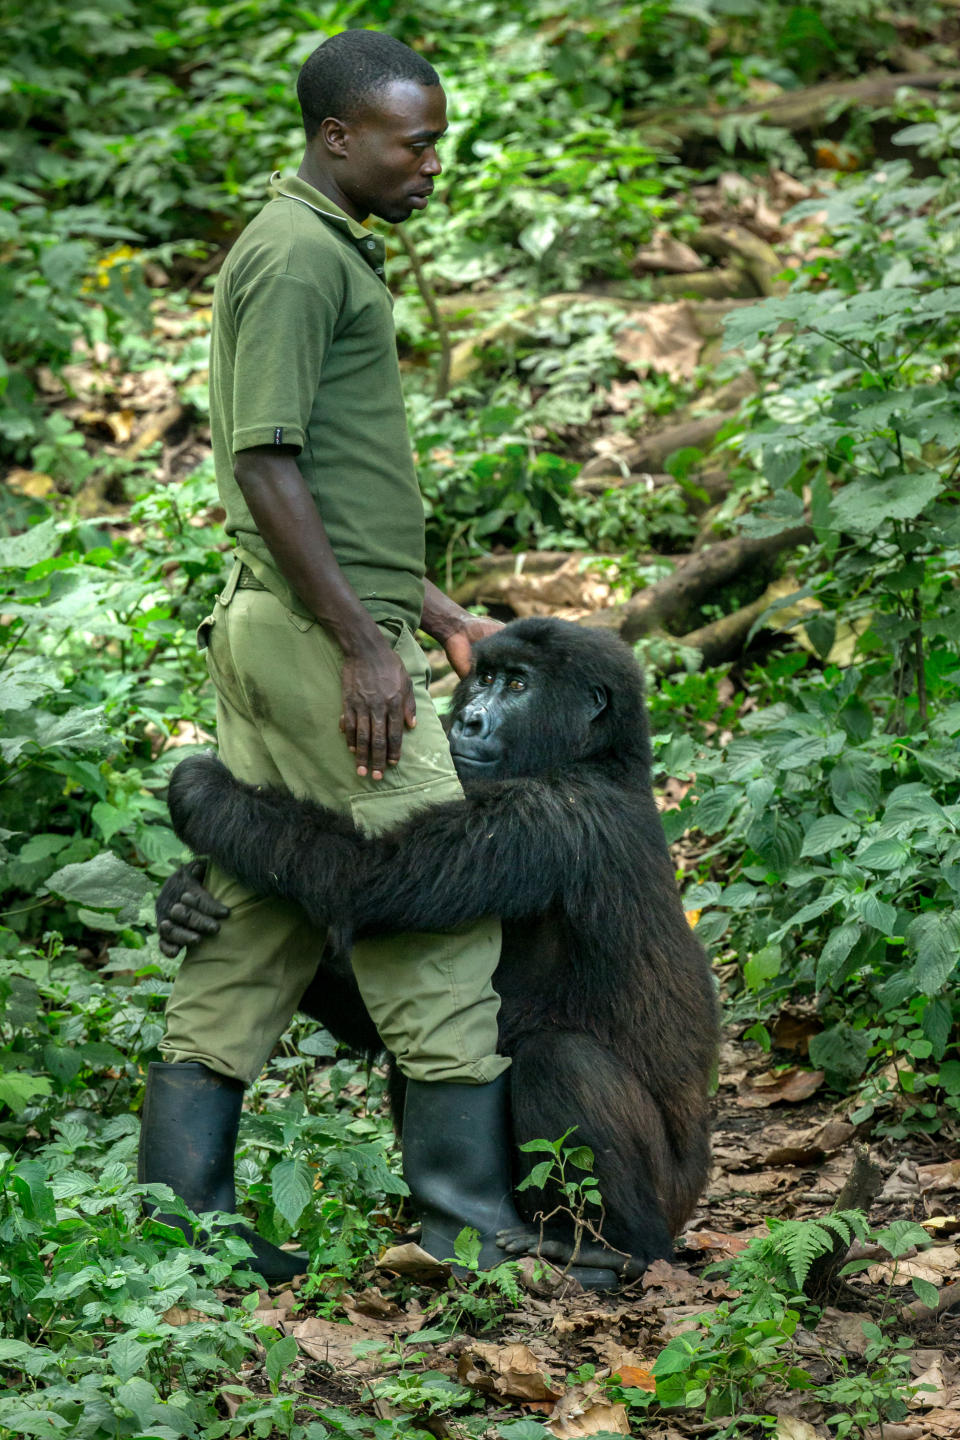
(188, 1134)
(457, 1160)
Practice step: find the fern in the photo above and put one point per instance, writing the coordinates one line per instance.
(783, 1258)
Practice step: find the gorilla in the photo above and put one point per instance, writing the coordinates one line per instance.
(608, 1005)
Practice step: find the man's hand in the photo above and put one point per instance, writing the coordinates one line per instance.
(459, 643)
(456, 629)
(378, 705)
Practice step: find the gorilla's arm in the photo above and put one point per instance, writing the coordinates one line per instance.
(510, 849)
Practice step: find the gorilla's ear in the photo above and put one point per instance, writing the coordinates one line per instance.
(600, 696)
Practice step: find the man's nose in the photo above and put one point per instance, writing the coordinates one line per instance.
(431, 165)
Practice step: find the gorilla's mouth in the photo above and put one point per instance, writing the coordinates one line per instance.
(473, 763)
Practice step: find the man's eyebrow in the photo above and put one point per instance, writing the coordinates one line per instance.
(429, 134)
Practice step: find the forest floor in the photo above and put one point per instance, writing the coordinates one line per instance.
(781, 1148)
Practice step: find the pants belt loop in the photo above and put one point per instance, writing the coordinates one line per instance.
(233, 581)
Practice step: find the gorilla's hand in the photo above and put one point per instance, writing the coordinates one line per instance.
(198, 788)
(186, 911)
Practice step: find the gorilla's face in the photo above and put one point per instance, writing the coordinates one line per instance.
(523, 710)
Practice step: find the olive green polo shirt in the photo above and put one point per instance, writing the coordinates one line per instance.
(303, 353)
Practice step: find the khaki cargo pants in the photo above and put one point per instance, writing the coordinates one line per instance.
(277, 677)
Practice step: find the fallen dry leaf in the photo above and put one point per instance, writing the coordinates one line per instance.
(773, 1087)
(809, 1147)
(662, 337)
(676, 1281)
(790, 1428)
(333, 1345)
(714, 1240)
(411, 1261)
(933, 1265)
(177, 1315)
(506, 1370)
(663, 252)
(939, 1177)
(32, 483)
(585, 1410)
(635, 1377)
(844, 1328)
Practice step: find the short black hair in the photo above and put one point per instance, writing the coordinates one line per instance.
(349, 69)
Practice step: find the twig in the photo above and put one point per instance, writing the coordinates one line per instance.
(430, 300)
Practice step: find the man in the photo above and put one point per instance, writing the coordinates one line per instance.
(319, 679)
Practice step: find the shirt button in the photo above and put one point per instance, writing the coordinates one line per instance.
(378, 269)
(370, 244)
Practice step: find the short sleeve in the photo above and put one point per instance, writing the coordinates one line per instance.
(284, 329)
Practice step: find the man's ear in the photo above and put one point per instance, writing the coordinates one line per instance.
(334, 133)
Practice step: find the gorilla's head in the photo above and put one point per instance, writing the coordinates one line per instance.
(544, 693)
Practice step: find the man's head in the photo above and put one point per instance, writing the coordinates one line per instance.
(373, 111)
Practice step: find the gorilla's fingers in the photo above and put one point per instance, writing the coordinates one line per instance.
(185, 914)
(174, 937)
(202, 901)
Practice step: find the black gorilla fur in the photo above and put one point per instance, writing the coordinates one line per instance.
(608, 1004)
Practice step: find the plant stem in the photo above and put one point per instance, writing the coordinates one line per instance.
(430, 300)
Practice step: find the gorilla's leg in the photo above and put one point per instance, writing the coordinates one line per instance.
(565, 1078)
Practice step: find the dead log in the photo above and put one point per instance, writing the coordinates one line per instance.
(724, 639)
(492, 573)
(799, 111)
(726, 282)
(649, 453)
(746, 252)
(695, 577)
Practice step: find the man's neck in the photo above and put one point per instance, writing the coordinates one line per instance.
(323, 181)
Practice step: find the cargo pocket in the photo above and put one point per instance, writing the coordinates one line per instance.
(380, 809)
(205, 630)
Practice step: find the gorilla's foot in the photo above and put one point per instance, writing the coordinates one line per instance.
(188, 1133)
(457, 1160)
(597, 1267)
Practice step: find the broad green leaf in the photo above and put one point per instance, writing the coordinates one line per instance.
(934, 939)
(883, 855)
(855, 784)
(925, 1292)
(776, 838)
(876, 912)
(841, 1051)
(866, 506)
(715, 809)
(827, 833)
(17, 1089)
(19, 552)
(838, 945)
(127, 1356)
(106, 882)
(280, 1354)
(291, 1186)
(763, 966)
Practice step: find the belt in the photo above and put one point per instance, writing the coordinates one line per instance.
(248, 581)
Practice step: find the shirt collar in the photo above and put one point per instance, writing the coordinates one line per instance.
(370, 246)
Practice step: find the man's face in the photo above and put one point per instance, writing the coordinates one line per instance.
(391, 151)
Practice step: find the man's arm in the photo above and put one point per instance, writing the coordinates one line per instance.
(377, 694)
(456, 629)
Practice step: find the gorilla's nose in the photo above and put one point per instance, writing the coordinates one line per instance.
(474, 721)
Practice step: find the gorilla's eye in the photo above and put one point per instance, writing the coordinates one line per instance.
(485, 677)
(516, 684)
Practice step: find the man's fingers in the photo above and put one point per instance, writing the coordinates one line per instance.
(378, 744)
(409, 708)
(362, 741)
